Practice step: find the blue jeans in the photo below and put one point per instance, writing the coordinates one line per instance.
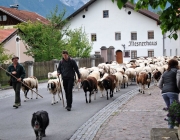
(169, 98)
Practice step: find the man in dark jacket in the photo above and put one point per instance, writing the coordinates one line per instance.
(67, 68)
(18, 71)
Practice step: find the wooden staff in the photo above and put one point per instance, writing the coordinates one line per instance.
(21, 82)
(61, 88)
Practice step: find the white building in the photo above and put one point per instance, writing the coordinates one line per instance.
(123, 34)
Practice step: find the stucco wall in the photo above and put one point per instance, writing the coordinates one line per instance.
(118, 21)
(11, 46)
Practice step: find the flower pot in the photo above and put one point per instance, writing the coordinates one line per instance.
(179, 132)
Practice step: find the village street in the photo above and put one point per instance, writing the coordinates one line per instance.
(15, 124)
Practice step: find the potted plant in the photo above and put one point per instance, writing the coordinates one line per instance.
(174, 115)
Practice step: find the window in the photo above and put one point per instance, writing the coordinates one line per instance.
(170, 52)
(105, 14)
(151, 35)
(93, 37)
(133, 36)
(117, 36)
(133, 54)
(150, 53)
(0, 18)
(176, 52)
(4, 17)
(126, 53)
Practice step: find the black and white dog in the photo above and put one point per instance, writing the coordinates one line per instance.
(39, 122)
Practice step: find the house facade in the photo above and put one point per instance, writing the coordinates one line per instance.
(120, 35)
(9, 17)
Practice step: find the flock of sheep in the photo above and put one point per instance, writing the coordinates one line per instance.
(108, 77)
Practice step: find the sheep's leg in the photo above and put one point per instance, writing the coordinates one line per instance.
(143, 86)
(94, 95)
(79, 85)
(52, 99)
(36, 94)
(86, 97)
(59, 95)
(31, 94)
(107, 94)
(148, 89)
(89, 97)
(124, 85)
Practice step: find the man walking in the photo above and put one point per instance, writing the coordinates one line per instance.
(67, 68)
(18, 71)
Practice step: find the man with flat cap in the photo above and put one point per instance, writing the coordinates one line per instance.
(67, 68)
(18, 71)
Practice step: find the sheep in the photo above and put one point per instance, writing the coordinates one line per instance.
(31, 82)
(125, 81)
(90, 84)
(54, 87)
(109, 83)
(95, 74)
(142, 79)
(156, 77)
(119, 79)
(52, 74)
(100, 85)
(131, 73)
(84, 73)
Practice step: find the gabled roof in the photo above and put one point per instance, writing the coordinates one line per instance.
(24, 16)
(128, 4)
(6, 34)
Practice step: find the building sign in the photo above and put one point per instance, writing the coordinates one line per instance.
(147, 43)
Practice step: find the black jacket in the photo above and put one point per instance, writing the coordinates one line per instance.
(68, 68)
(20, 72)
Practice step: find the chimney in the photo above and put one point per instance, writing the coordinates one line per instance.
(15, 6)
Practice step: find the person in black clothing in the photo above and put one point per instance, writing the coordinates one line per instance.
(18, 71)
(67, 68)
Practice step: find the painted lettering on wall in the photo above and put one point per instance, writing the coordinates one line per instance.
(147, 43)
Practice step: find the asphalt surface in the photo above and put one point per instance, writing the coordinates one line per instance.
(15, 124)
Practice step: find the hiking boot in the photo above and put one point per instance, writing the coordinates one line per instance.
(68, 108)
(15, 105)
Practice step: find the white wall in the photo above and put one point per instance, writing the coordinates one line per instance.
(171, 44)
(118, 21)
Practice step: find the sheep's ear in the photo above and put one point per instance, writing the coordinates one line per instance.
(33, 113)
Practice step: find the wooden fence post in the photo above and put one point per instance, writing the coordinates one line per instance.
(77, 61)
(56, 62)
(92, 62)
(29, 68)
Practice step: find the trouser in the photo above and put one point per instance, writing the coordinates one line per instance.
(17, 88)
(68, 87)
(169, 98)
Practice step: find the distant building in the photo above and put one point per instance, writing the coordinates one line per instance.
(11, 42)
(123, 34)
(9, 35)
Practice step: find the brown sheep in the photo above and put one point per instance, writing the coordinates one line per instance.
(142, 79)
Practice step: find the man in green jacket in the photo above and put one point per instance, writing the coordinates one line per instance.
(18, 71)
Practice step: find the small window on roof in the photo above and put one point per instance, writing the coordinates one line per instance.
(105, 13)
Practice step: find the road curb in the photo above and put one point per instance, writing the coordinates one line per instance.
(89, 129)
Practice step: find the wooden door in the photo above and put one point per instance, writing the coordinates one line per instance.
(119, 57)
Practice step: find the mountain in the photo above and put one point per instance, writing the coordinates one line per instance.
(44, 7)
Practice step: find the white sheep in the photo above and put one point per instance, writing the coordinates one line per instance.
(131, 73)
(31, 82)
(54, 88)
(95, 74)
(100, 85)
(119, 79)
(52, 74)
(125, 80)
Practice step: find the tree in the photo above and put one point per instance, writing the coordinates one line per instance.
(4, 57)
(170, 17)
(78, 43)
(46, 42)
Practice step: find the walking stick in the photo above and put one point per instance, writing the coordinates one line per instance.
(21, 82)
(61, 88)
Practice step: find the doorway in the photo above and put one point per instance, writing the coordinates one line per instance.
(119, 56)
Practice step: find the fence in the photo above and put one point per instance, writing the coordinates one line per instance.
(40, 69)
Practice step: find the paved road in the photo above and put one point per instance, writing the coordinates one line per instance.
(15, 123)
